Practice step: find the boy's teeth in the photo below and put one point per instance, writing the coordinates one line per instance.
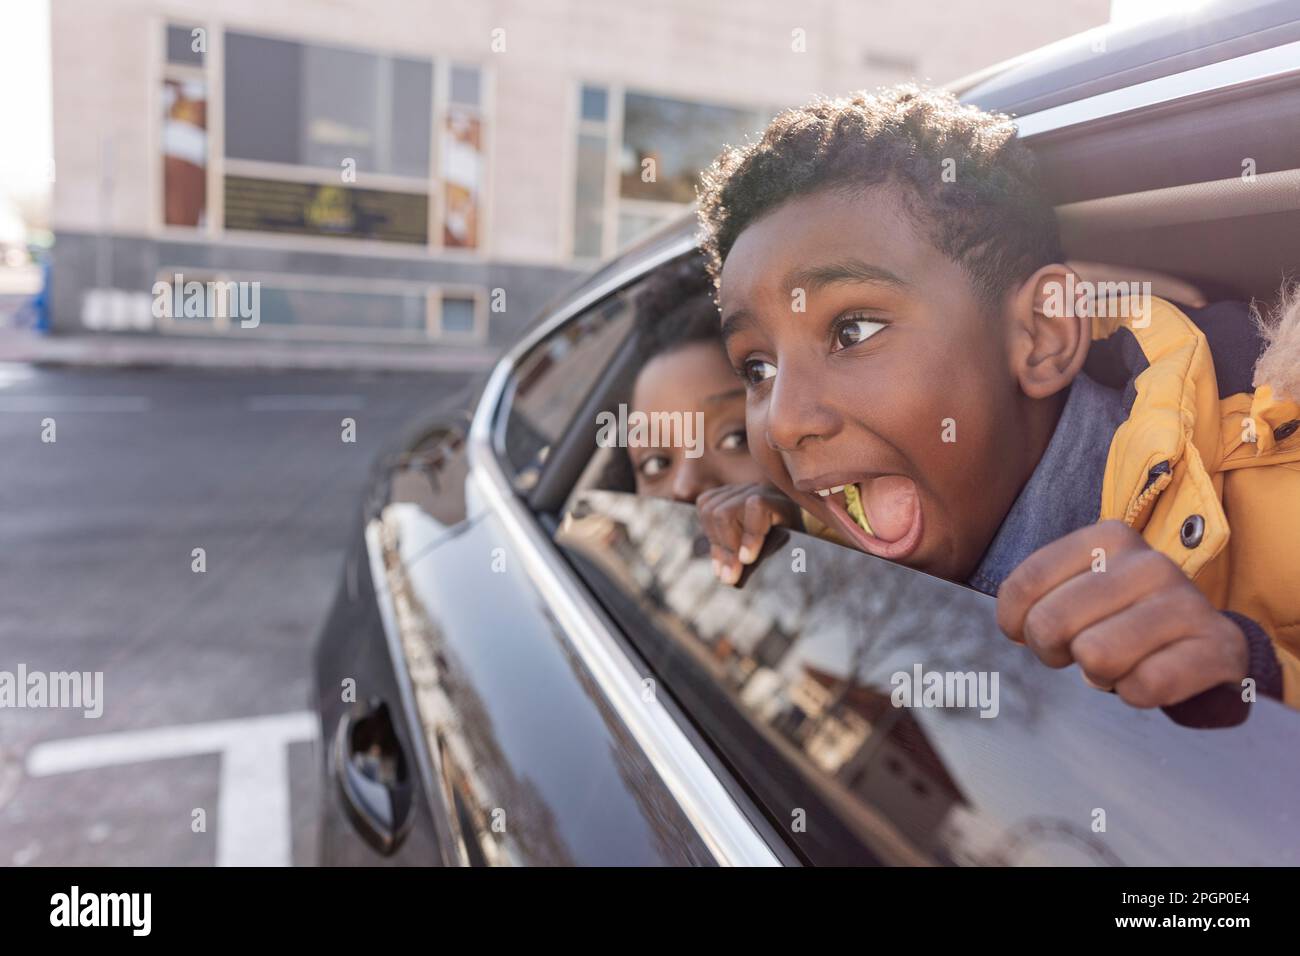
(825, 493)
(837, 489)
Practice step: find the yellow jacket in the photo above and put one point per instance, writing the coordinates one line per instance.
(1207, 464)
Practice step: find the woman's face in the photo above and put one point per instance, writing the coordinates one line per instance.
(696, 377)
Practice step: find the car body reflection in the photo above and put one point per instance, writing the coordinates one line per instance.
(804, 654)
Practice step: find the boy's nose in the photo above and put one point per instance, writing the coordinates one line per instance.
(795, 412)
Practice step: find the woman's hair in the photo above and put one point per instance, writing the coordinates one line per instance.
(673, 309)
(676, 308)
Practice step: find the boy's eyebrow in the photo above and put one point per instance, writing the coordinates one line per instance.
(736, 322)
(846, 270)
(812, 278)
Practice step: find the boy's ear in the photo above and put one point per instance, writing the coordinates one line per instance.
(1049, 337)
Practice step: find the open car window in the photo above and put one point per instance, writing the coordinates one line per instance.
(551, 382)
(877, 714)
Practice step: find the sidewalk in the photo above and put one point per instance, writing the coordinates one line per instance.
(176, 351)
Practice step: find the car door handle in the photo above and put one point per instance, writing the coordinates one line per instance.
(372, 776)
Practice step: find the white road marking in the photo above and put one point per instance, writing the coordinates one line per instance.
(304, 403)
(253, 827)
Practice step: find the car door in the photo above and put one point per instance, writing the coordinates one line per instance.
(877, 715)
(529, 725)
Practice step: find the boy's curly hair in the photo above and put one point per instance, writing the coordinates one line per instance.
(993, 218)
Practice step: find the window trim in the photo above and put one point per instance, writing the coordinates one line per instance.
(725, 827)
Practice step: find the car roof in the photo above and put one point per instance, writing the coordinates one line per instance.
(1114, 57)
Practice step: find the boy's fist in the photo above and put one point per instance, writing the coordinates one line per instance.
(736, 519)
(1139, 627)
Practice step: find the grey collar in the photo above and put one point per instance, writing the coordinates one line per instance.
(1064, 492)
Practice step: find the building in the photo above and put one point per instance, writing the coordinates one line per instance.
(430, 171)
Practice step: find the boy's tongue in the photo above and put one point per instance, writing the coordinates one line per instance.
(890, 504)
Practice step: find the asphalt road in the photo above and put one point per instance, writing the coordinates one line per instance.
(206, 675)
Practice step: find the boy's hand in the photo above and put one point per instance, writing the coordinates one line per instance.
(736, 519)
(1140, 627)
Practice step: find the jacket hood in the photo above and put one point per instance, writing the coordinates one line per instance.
(1279, 362)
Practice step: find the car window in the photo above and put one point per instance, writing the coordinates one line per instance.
(550, 383)
(877, 714)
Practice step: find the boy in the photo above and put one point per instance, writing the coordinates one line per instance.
(890, 282)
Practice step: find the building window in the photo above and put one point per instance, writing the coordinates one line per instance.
(307, 105)
(184, 136)
(339, 142)
(654, 147)
(458, 316)
(186, 46)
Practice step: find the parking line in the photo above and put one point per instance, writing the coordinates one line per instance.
(253, 825)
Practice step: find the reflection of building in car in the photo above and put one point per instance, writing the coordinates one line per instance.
(877, 750)
(871, 759)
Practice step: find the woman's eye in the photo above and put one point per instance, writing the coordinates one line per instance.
(654, 466)
(756, 371)
(852, 331)
(733, 440)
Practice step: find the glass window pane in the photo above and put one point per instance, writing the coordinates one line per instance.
(411, 121)
(465, 85)
(181, 43)
(311, 308)
(458, 315)
(263, 99)
(340, 89)
(552, 381)
(595, 103)
(680, 138)
(322, 106)
(589, 212)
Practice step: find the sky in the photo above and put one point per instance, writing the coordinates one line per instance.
(25, 125)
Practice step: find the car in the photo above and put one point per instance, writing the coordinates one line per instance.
(523, 666)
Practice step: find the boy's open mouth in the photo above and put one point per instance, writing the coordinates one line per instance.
(881, 515)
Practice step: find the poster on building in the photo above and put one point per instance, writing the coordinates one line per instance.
(185, 152)
(317, 209)
(461, 176)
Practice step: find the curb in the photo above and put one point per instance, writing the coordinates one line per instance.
(127, 351)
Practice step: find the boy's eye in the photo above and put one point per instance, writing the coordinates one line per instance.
(853, 330)
(654, 466)
(757, 370)
(733, 440)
